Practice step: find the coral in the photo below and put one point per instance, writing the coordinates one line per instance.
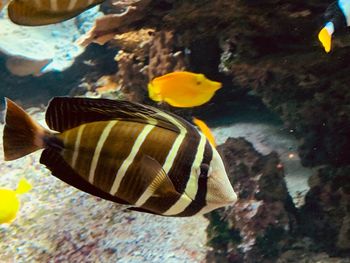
(107, 26)
(131, 76)
(22, 61)
(152, 56)
(263, 218)
(163, 57)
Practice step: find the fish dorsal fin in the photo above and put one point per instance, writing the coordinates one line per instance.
(64, 113)
(44, 12)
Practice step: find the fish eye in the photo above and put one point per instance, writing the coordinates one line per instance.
(198, 82)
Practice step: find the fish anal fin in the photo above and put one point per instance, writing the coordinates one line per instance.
(60, 169)
(143, 210)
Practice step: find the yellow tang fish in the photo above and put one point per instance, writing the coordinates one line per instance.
(133, 154)
(45, 12)
(182, 89)
(205, 130)
(9, 202)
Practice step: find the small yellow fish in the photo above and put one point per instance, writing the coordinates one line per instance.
(9, 202)
(205, 130)
(45, 12)
(183, 89)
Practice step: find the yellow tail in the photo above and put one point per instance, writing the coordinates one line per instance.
(23, 186)
(22, 135)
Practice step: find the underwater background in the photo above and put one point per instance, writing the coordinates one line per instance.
(281, 122)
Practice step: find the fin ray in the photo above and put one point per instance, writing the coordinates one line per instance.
(65, 113)
(22, 135)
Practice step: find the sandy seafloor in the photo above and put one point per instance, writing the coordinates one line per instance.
(58, 223)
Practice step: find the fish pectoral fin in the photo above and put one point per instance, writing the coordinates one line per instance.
(155, 178)
(159, 183)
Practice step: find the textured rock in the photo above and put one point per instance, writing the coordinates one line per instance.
(269, 47)
(326, 213)
(259, 225)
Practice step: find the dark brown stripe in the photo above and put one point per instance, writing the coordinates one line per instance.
(59, 168)
(157, 145)
(181, 170)
(89, 140)
(200, 200)
(115, 150)
(68, 149)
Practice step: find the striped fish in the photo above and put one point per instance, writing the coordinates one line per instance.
(45, 12)
(3, 3)
(132, 154)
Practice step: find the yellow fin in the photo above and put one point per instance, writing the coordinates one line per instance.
(205, 130)
(23, 186)
(154, 92)
(326, 39)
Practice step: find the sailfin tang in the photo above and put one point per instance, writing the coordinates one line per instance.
(65, 113)
(41, 12)
(22, 135)
(59, 168)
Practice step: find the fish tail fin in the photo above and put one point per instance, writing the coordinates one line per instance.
(22, 135)
(154, 92)
(23, 186)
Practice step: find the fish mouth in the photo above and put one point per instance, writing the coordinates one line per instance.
(217, 85)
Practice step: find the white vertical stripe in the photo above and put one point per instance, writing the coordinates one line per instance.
(77, 145)
(149, 190)
(53, 5)
(128, 161)
(72, 4)
(98, 149)
(169, 161)
(192, 184)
